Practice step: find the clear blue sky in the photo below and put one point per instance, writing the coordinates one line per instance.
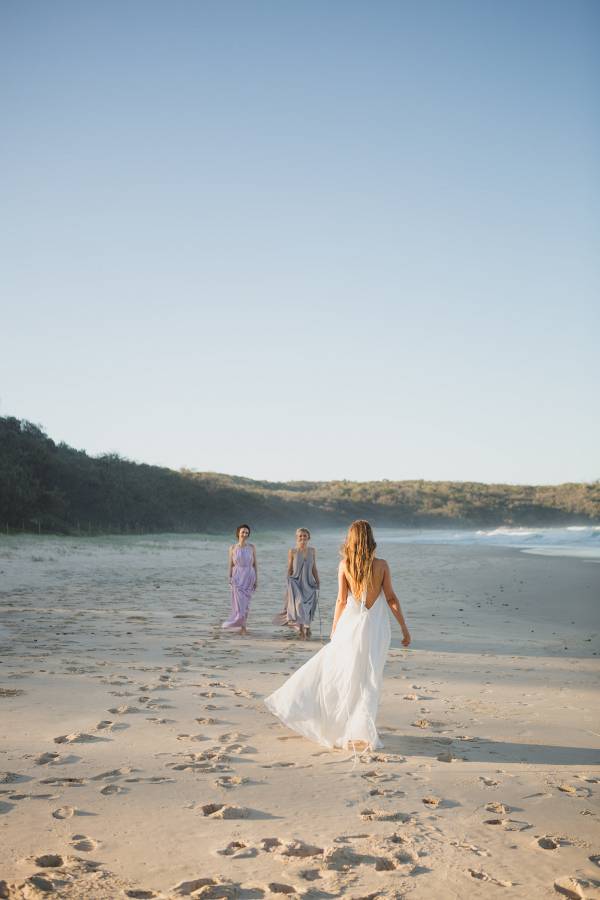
(292, 239)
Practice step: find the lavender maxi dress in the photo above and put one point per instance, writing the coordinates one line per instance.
(243, 578)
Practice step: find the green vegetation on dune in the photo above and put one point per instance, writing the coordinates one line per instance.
(58, 487)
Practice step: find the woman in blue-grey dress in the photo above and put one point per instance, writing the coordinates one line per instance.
(300, 599)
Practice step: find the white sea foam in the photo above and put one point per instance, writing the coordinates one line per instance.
(592, 554)
(582, 541)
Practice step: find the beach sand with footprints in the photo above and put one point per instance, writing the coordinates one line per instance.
(138, 759)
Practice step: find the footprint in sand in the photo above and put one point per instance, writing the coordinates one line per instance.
(60, 781)
(377, 792)
(279, 765)
(124, 710)
(112, 773)
(238, 849)
(141, 894)
(45, 758)
(376, 776)
(38, 882)
(445, 757)
(275, 888)
(432, 802)
(569, 887)
(388, 758)
(207, 721)
(79, 737)
(64, 812)
(222, 811)
(545, 842)
(229, 781)
(310, 875)
(294, 849)
(157, 721)
(8, 777)
(110, 789)
(48, 861)
(83, 843)
(483, 876)
(462, 846)
(105, 724)
(378, 815)
(232, 736)
(270, 844)
(497, 808)
(235, 748)
(192, 737)
(208, 888)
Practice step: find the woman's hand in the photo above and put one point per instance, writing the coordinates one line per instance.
(405, 637)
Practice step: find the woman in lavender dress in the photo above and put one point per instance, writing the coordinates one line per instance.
(243, 578)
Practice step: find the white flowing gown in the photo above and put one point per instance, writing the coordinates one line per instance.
(333, 698)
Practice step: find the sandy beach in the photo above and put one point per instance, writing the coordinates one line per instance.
(139, 760)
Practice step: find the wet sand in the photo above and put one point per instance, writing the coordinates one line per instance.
(139, 760)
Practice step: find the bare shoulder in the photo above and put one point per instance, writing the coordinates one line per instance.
(293, 551)
(232, 548)
(313, 551)
(252, 545)
(380, 565)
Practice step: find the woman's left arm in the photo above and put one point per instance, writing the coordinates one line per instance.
(314, 568)
(254, 563)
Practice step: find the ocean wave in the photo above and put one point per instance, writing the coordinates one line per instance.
(576, 537)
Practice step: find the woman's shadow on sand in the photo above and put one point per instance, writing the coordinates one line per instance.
(483, 750)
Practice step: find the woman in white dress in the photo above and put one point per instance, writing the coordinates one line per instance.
(333, 699)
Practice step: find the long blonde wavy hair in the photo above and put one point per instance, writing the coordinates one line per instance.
(358, 551)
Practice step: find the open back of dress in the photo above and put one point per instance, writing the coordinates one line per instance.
(334, 697)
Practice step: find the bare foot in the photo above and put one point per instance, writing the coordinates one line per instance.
(308, 634)
(243, 632)
(302, 635)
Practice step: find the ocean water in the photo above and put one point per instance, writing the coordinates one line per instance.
(581, 541)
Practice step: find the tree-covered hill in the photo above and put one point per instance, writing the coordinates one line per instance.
(54, 487)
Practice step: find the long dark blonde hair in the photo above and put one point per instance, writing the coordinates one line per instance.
(358, 551)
